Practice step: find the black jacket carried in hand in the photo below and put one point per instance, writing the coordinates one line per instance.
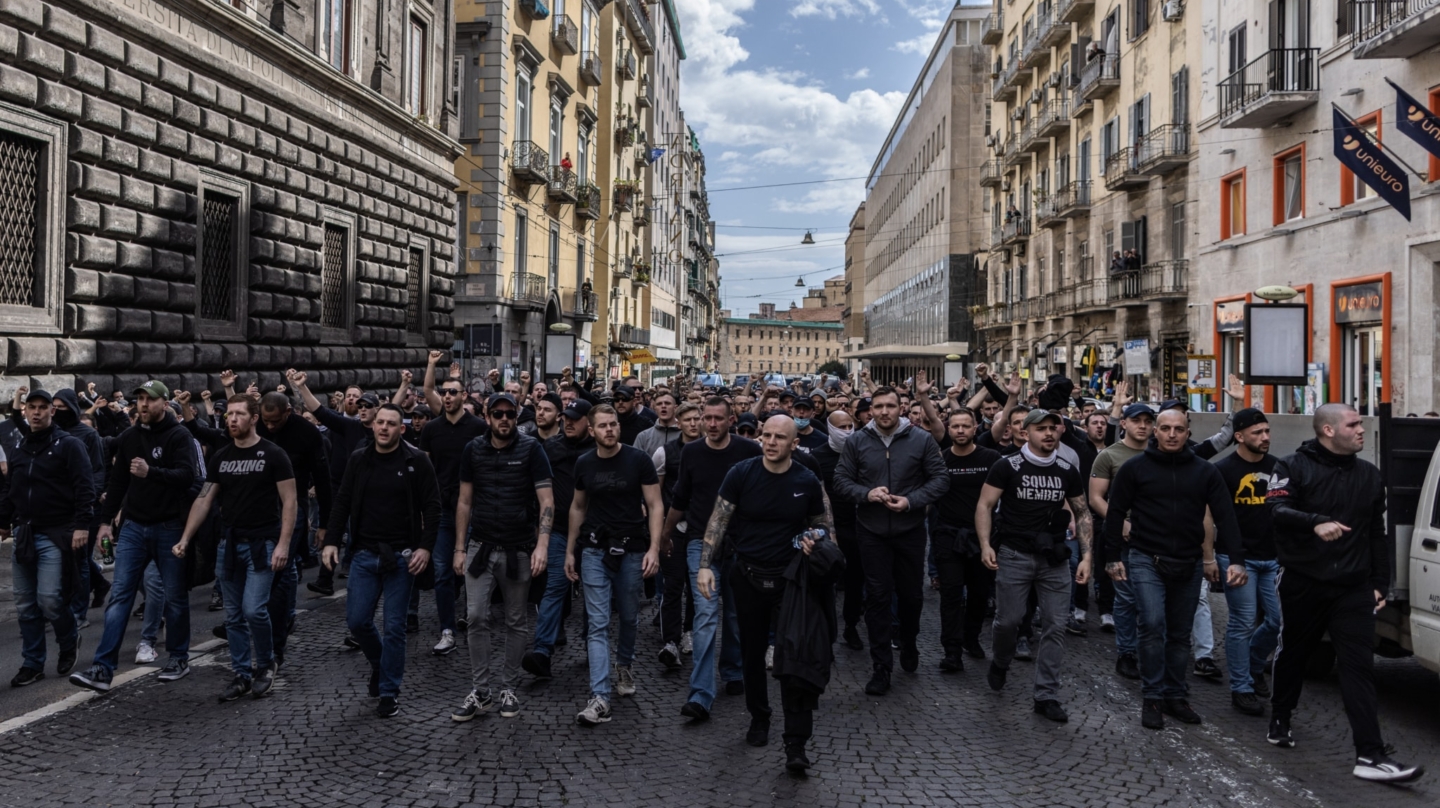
(50, 484)
(167, 490)
(909, 467)
(805, 627)
(1314, 486)
(1166, 494)
(420, 491)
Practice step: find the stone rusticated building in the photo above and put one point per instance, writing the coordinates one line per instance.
(188, 186)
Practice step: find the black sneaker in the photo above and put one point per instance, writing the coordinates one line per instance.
(910, 659)
(412, 623)
(974, 650)
(96, 677)
(735, 687)
(1179, 709)
(174, 670)
(852, 639)
(952, 663)
(239, 686)
(220, 632)
(474, 704)
(102, 590)
(320, 588)
(66, 661)
(216, 601)
(1075, 628)
(536, 664)
(277, 659)
(1128, 666)
(350, 642)
(1052, 710)
(1022, 650)
(795, 760)
(1257, 681)
(560, 640)
(374, 688)
(389, 707)
(263, 682)
(1247, 703)
(1382, 768)
(693, 710)
(759, 733)
(1151, 716)
(879, 683)
(996, 677)
(27, 676)
(463, 624)
(1206, 668)
(670, 656)
(1279, 734)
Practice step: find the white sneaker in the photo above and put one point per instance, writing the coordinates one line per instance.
(624, 681)
(1080, 615)
(1107, 623)
(687, 643)
(446, 644)
(1382, 769)
(596, 712)
(145, 653)
(770, 658)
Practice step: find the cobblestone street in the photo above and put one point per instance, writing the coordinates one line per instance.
(935, 740)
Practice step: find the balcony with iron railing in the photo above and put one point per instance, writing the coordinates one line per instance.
(586, 306)
(1270, 89)
(1053, 119)
(528, 291)
(565, 36)
(1125, 289)
(1073, 10)
(644, 96)
(1046, 213)
(1035, 51)
(626, 66)
(627, 334)
(1092, 295)
(1027, 141)
(624, 268)
(1165, 280)
(992, 173)
(592, 68)
(996, 316)
(1100, 76)
(587, 200)
(1084, 269)
(1163, 149)
(1015, 230)
(1055, 33)
(529, 164)
(1393, 29)
(1002, 84)
(562, 185)
(1072, 200)
(1063, 300)
(1122, 173)
(1014, 155)
(992, 29)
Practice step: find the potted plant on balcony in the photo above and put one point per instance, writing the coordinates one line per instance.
(625, 191)
(642, 273)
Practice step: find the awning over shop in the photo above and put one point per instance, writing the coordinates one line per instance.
(939, 349)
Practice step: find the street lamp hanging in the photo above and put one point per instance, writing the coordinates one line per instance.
(809, 239)
(800, 282)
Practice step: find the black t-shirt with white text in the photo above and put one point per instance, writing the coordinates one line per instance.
(770, 510)
(1032, 500)
(613, 496)
(247, 479)
(967, 477)
(1247, 483)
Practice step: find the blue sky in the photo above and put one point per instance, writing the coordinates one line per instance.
(792, 91)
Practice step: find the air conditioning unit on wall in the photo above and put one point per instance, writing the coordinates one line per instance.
(1173, 11)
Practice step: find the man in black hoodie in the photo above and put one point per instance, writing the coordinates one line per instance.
(1329, 516)
(1166, 491)
(47, 501)
(157, 476)
(631, 412)
(67, 417)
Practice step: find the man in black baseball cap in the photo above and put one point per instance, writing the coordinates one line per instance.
(746, 425)
(632, 420)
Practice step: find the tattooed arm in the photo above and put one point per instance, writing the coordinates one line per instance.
(541, 554)
(1084, 532)
(714, 535)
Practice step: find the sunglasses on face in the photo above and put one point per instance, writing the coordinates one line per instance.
(365, 405)
(445, 391)
(502, 414)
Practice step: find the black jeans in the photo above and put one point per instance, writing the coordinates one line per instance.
(677, 592)
(966, 585)
(755, 610)
(894, 572)
(1308, 609)
(853, 582)
(1104, 593)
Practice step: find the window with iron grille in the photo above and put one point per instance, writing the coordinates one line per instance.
(332, 280)
(217, 256)
(20, 167)
(412, 291)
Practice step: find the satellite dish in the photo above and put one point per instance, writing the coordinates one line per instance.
(1275, 293)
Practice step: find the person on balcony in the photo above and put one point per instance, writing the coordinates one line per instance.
(565, 162)
(1118, 264)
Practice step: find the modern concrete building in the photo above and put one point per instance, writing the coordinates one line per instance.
(1092, 216)
(854, 313)
(1282, 210)
(923, 217)
(191, 186)
(793, 343)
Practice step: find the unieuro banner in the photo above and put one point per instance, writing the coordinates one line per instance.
(1375, 168)
(1415, 121)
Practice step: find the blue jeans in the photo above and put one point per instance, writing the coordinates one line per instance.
(599, 583)
(443, 559)
(37, 600)
(1166, 610)
(552, 606)
(136, 548)
(1125, 618)
(707, 621)
(732, 668)
(367, 584)
(154, 605)
(247, 607)
(1247, 645)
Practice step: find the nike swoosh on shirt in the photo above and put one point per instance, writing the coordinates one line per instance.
(801, 494)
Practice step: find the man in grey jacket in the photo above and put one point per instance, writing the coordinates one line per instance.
(666, 427)
(892, 470)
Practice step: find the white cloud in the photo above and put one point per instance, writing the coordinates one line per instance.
(834, 8)
(862, 73)
(920, 45)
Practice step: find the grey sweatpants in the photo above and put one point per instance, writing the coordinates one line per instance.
(516, 595)
(1017, 573)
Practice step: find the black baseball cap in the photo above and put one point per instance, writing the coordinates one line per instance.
(863, 405)
(370, 399)
(787, 394)
(500, 398)
(1248, 417)
(579, 408)
(1174, 404)
(554, 399)
(43, 395)
(623, 393)
(746, 420)
(1137, 409)
(804, 403)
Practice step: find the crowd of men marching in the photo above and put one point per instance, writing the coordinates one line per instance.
(745, 510)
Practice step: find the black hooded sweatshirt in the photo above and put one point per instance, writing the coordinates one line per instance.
(50, 484)
(1314, 486)
(69, 420)
(1166, 494)
(170, 485)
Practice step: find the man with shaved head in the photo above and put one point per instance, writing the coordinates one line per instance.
(1329, 516)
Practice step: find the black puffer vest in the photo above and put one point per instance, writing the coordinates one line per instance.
(503, 510)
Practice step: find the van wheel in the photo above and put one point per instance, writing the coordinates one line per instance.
(1321, 662)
